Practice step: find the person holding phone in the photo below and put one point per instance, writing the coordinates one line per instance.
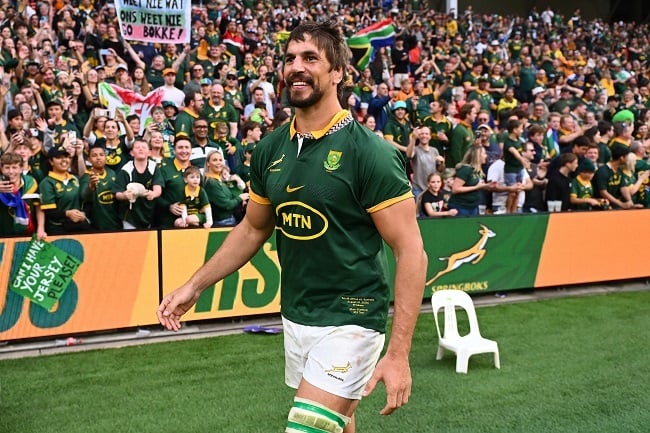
(117, 146)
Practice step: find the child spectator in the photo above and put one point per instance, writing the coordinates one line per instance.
(432, 200)
(139, 212)
(582, 192)
(515, 163)
(18, 214)
(196, 207)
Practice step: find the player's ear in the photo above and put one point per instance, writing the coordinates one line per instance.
(337, 75)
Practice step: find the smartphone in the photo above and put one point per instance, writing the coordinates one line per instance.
(104, 52)
(72, 136)
(101, 112)
(34, 132)
(43, 20)
(4, 178)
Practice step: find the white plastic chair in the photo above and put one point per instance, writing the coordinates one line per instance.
(466, 345)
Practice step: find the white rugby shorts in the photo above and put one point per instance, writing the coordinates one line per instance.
(336, 359)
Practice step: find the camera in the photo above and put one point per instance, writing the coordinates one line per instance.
(33, 132)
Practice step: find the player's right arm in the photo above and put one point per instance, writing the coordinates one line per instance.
(239, 246)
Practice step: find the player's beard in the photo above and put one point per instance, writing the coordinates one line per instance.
(306, 101)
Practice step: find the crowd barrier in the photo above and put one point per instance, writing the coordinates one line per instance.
(124, 275)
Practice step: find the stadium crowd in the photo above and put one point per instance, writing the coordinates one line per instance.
(501, 113)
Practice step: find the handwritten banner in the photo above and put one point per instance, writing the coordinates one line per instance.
(156, 21)
(115, 287)
(44, 274)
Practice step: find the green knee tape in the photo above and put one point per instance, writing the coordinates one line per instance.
(308, 416)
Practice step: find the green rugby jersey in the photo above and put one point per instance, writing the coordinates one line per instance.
(443, 125)
(116, 156)
(513, 165)
(101, 201)
(222, 199)
(59, 192)
(173, 190)
(582, 188)
(141, 213)
(196, 202)
(471, 178)
(323, 196)
(608, 180)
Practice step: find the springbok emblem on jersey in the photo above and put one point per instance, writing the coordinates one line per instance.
(473, 254)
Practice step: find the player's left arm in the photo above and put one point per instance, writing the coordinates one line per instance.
(398, 227)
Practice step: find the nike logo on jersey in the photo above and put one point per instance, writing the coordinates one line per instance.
(294, 189)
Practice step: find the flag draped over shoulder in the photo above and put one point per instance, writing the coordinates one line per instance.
(22, 221)
(364, 42)
(129, 102)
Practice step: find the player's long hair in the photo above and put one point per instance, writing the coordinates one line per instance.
(328, 38)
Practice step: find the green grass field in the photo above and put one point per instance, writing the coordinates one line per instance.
(567, 365)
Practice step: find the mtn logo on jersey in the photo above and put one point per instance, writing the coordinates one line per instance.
(105, 197)
(333, 160)
(297, 220)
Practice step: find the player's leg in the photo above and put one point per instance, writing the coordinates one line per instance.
(329, 367)
(314, 408)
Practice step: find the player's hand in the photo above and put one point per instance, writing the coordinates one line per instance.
(174, 305)
(395, 372)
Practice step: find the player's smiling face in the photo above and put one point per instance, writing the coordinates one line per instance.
(308, 73)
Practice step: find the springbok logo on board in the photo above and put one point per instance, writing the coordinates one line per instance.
(473, 254)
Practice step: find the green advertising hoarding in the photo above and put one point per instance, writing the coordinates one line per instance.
(479, 254)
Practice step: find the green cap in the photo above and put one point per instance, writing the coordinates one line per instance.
(623, 116)
(586, 165)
